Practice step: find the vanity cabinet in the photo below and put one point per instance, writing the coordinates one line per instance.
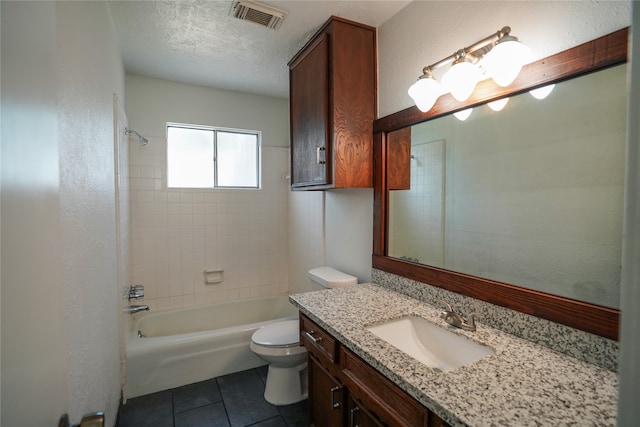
(344, 390)
(326, 407)
(332, 105)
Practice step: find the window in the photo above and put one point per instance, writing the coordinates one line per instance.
(208, 157)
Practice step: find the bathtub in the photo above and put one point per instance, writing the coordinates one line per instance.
(183, 346)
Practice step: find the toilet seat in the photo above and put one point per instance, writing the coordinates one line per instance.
(278, 335)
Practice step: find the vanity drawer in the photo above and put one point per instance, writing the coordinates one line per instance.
(392, 405)
(317, 341)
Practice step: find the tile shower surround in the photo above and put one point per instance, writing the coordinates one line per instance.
(178, 233)
(581, 345)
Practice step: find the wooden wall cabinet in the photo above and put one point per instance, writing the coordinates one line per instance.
(333, 83)
(344, 390)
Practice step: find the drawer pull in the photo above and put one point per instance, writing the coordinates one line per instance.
(318, 150)
(309, 335)
(353, 422)
(334, 404)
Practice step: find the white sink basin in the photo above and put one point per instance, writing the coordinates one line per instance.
(430, 344)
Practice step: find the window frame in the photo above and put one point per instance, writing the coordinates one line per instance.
(215, 130)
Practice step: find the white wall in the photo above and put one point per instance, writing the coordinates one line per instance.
(306, 237)
(179, 233)
(628, 408)
(60, 69)
(349, 228)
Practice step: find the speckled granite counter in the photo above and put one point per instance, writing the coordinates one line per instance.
(522, 384)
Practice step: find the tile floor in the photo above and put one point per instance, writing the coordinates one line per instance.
(234, 400)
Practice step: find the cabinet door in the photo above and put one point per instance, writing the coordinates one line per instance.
(309, 106)
(326, 397)
(358, 416)
(390, 404)
(399, 159)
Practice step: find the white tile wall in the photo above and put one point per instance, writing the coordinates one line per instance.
(177, 234)
(417, 215)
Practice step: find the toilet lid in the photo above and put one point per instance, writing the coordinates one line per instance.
(278, 334)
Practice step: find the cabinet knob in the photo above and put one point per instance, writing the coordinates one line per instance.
(354, 411)
(318, 151)
(334, 404)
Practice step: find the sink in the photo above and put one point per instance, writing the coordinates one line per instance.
(429, 343)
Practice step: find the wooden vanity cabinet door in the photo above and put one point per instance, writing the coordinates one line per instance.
(359, 416)
(326, 397)
(390, 404)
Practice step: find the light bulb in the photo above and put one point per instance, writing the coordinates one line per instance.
(463, 115)
(461, 80)
(425, 92)
(499, 104)
(542, 92)
(504, 62)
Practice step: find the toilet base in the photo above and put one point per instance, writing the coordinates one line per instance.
(286, 386)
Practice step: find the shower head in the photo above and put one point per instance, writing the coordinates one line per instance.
(141, 139)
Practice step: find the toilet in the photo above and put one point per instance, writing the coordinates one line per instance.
(278, 344)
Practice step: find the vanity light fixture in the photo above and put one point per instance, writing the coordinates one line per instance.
(462, 77)
(542, 92)
(499, 56)
(426, 91)
(463, 115)
(499, 104)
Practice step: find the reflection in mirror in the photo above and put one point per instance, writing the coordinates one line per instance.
(531, 195)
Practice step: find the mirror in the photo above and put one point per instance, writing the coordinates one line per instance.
(498, 191)
(530, 195)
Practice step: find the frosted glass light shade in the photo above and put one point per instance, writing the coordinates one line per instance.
(463, 115)
(461, 80)
(425, 92)
(542, 92)
(504, 62)
(499, 104)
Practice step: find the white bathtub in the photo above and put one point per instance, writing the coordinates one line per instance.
(183, 346)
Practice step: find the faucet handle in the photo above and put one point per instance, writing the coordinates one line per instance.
(469, 323)
(136, 292)
(447, 306)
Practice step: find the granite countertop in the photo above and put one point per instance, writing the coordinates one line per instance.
(521, 384)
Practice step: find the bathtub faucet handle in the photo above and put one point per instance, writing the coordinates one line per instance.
(136, 292)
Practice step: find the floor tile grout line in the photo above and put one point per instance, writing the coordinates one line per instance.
(224, 405)
(173, 408)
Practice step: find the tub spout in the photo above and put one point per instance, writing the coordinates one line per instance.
(136, 308)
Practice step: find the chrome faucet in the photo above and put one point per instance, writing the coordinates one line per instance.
(136, 292)
(458, 320)
(136, 308)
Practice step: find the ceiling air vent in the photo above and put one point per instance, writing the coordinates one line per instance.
(259, 13)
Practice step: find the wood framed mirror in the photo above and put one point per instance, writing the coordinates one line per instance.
(391, 152)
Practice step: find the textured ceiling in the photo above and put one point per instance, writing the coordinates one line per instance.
(198, 42)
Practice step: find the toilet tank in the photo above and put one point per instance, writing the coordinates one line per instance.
(327, 277)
